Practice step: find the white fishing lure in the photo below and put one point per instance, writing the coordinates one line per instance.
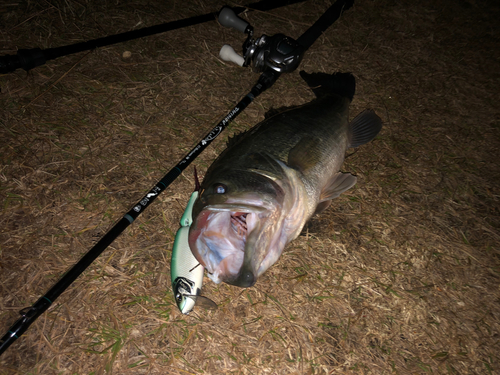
(185, 271)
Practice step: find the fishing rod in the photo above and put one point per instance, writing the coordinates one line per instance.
(31, 58)
(270, 71)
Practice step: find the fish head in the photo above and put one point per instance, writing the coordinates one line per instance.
(236, 232)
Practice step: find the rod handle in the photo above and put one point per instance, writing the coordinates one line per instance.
(228, 18)
(227, 53)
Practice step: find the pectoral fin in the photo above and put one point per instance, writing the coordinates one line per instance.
(339, 183)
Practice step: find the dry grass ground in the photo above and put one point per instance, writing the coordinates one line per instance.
(400, 275)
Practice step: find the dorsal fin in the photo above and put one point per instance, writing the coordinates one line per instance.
(272, 112)
(231, 141)
(277, 111)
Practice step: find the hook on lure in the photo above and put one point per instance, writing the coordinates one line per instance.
(185, 270)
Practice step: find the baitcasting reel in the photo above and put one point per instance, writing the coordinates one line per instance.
(278, 52)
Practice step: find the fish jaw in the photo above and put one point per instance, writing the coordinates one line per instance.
(238, 238)
(220, 236)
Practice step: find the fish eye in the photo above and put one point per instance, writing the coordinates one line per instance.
(178, 297)
(220, 188)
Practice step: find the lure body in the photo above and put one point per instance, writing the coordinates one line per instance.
(185, 271)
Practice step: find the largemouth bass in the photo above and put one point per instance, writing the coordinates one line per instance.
(258, 194)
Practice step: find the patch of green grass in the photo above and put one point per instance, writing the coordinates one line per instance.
(107, 341)
(13, 199)
(360, 367)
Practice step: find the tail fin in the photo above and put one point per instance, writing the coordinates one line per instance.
(342, 84)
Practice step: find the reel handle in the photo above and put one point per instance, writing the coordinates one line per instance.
(228, 18)
(227, 53)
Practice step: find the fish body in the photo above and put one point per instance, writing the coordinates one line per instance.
(258, 194)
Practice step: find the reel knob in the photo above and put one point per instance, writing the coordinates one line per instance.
(228, 18)
(227, 53)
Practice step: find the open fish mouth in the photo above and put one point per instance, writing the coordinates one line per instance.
(219, 236)
(243, 208)
(239, 223)
(239, 216)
